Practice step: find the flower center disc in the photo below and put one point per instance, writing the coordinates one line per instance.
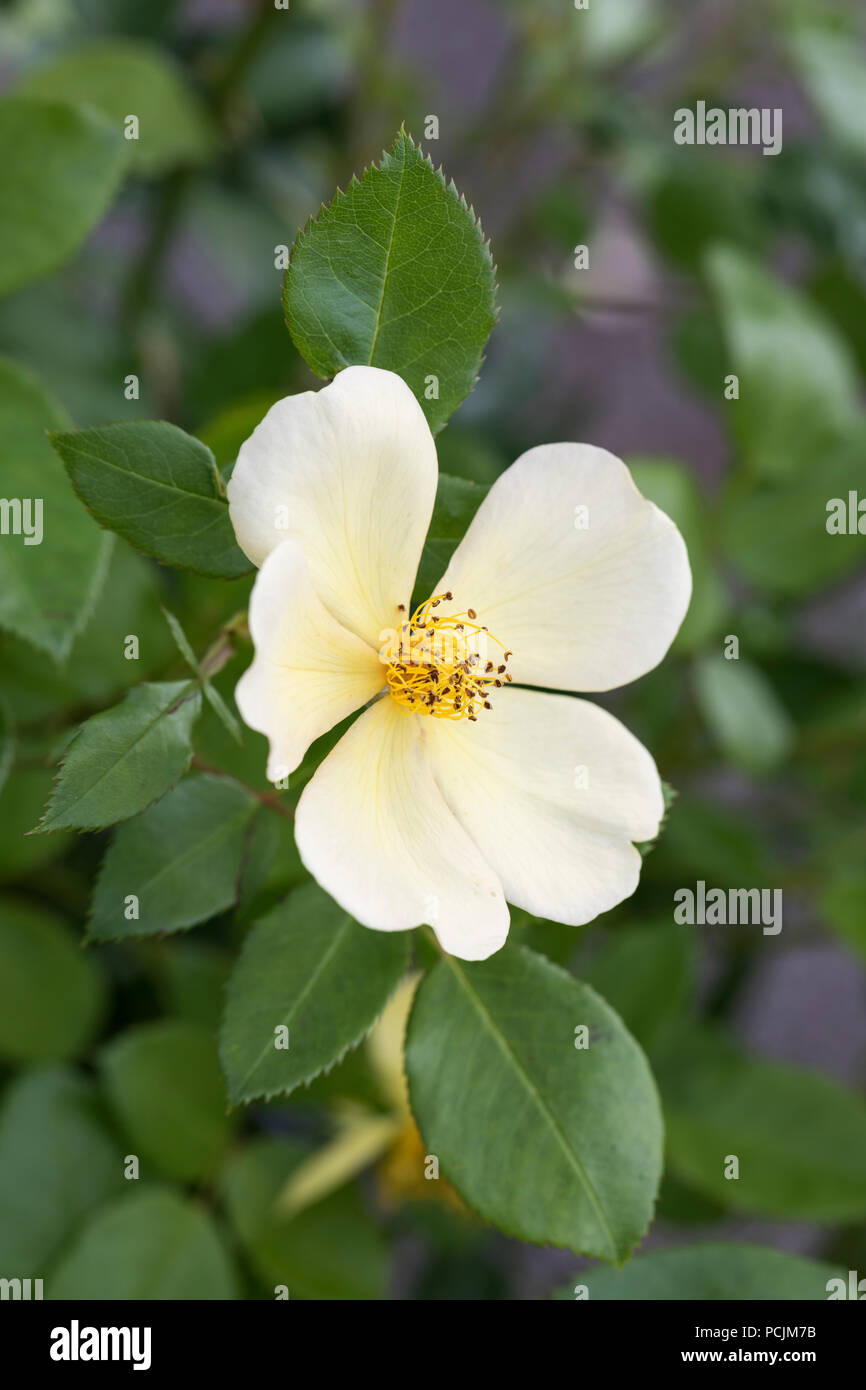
(439, 665)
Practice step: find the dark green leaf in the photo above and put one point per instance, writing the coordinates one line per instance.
(192, 979)
(645, 972)
(181, 859)
(777, 534)
(158, 488)
(149, 1244)
(551, 1142)
(47, 589)
(22, 801)
(708, 1273)
(800, 1139)
(51, 992)
(309, 968)
(58, 1160)
(123, 759)
(7, 743)
(119, 77)
(330, 1250)
(395, 273)
(61, 168)
(164, 1083)
(843, 901)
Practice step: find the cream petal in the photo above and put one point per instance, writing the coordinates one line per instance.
(349, 472)
(581, 609)
(374, 830)
(308, 672)
(553, 790)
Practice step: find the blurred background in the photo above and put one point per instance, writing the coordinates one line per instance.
(557, 125)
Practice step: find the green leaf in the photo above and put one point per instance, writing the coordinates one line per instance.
(708, 1273)
(149, 1244)
(396, 274)
(58, 1160)
(842, 900)
(831, 66)
(328, 1251)
(61, 168)
(120, 78)
(47, 590)
(747, 718)
(51, 992)
(7, 743)
(646, 973)
(181, 859)
(22, 800)
(800, 1139)
(97, 670)
(798, 381)
(552, 1143)
(157, 487)
(272, 866)
(309, 968)
(777, 534)
(164, 1083)
(457, 501)
(123, 759)
(192, 978)
(708, 840)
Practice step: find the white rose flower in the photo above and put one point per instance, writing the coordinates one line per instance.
(459, 788)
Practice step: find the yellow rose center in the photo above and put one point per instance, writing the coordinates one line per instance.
(440, 665)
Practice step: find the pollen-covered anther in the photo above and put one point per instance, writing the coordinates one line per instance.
(438, 664)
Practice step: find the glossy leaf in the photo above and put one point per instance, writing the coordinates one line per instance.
(123, 759)
(181, 859)
(309, 968)
(550, 1142)
(158, 488)
(395, 273)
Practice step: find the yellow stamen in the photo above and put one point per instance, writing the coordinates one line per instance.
(438, 665)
